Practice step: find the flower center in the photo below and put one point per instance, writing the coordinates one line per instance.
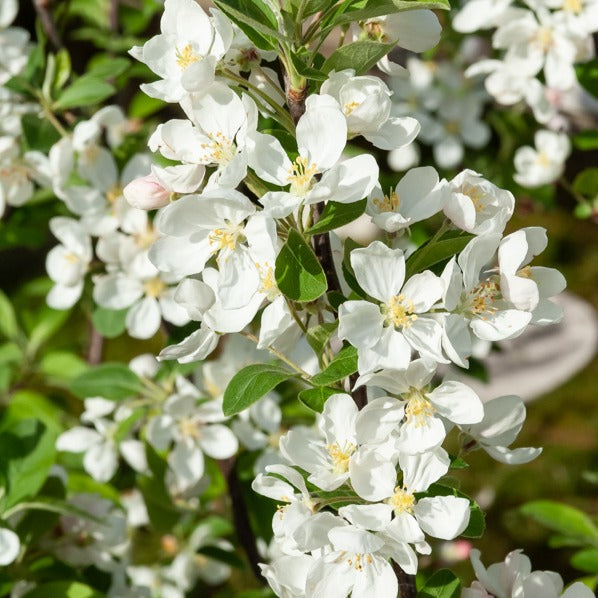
(267, 281)
(375, 30)
(226, 238)
(301, 176)
(154, 287)
(418, 409)
(221, 150)
(574, 6)
(482, 297)
(476, 194)
(350, 107)
(544, 38)
(114, 193)
(189, 428)
(340, 456)
(146, 238)
(389, 203)
(401, 501)
(357, 561)
(452, 127)
(186, 57)
(543, 159)
(71, 258)
(399, 312)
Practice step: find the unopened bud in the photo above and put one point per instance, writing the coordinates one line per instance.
(146, 193)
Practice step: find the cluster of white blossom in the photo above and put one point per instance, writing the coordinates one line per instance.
(540, 41)
(448, 106)
(515, 578)
(361, 487)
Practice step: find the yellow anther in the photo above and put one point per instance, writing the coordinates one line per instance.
(189, 428)
(543, 159)
(301, 176)
(220, 150)
(482, 297)
(389, 203)
(114, 193)
(71, 257)
(375, 30)
(340, 456)
(452, 127)
(544, 38)
(574, 6)
(226, 238)
(525, 272)
(186, 57)
(267, 281)
(418, 409)
(350, 107)
(399, 312)
(146, 238)
(154, 287)
(477, 195)
(401, 501)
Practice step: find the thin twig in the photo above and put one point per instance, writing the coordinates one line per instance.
(240, 515)
(407, 587)
(96, 347)
(47, 21)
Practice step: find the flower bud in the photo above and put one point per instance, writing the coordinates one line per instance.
(146, 193)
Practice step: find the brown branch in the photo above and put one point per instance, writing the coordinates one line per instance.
(96, 347)
(243, 528)
(295, 99)
(113, 15)
(47, 21)
(360, 395)
(407, 587)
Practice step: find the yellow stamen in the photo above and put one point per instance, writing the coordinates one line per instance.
(574, 6)
(418, 409)
(350, 107)
(340, 457)
(482, 297)
(399, 312)
(544, 38)
(221, 150)
(401, 501)
(186, 57)
(477, 195)
(390, 202)
(189, 428)
(226, 238)
(154, 287)
(267, 281)
(114, 193)
(543, 159)
(301, 176)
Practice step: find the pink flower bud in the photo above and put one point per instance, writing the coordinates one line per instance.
(146, 193)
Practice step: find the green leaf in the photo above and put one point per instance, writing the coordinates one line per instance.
(587, 75)
(299, 274)
(442, 584)
(85, 91)
(303, 69)
(561, 518)
(251, 384)
(62, 365)
(361, 10)
(431, 254)
(344, 364)
(314, 398)
(9, 327)
(63, 69)
(359, 55)
(586, 560)
(107, 67)
(313, 6)
(337, 214)
(110, 380)
(318, 336)
(255, 19)
(586, 140)
(110, 323)
(38, 134)
(347, 268)
(26, 456)
(586, 183)
(63, 589)
(48, 322)
(53, 505)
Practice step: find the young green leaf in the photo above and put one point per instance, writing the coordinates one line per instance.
(442, 584)
(562, 519)
(344, 364)
(109, 322)
(431, 254)
(337, 214)
(318, 336)
(299, 274)
(85, 91)
(359, 55)
(63, 589)
(251, 384)
(9, 327)
(110, 380)
(586, 560)
(314, 398)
